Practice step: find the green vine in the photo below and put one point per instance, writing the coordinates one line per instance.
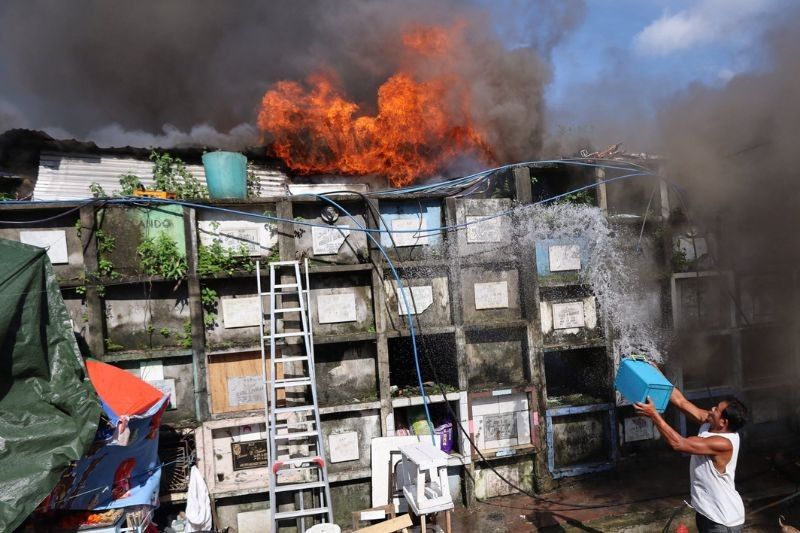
(210, 301)
(185, 340)
(160, 256)
(171, 175)
(215, 259)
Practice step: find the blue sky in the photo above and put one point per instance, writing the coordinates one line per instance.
(627, 56)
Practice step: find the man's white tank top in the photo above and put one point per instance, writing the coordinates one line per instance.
(713, 494)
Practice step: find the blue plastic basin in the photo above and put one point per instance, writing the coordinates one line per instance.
(226, 174)
(637, 379)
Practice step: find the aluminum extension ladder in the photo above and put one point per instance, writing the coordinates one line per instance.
(294, 427)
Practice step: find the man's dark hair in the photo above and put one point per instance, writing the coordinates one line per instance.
(735, 413)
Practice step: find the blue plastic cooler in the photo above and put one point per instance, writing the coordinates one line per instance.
(637, 379)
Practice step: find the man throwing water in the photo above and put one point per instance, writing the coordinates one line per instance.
(712, 468)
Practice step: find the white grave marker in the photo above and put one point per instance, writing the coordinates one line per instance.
(422, 299)
(245, 390)
(492, 295)
(327, 241)
(490, 230)
(405, 231)
(343, 447)
(568, 315)
(638, 428)
(240, 312)
(333, 308)
(54, 241)
(166, 386)
(564, 257)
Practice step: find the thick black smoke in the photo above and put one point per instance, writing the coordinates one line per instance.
(178, 71)
(733, 150)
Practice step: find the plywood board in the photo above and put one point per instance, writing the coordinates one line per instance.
(236, 368)
(54, 241)
(483, 230)
(493, 295)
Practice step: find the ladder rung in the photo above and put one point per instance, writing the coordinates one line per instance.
(284, 335)
(283, 263)
(300, 486)
(296, 435)
(297, 514)
(296, 382)
(302, 461)
(291, 358)
(288, 310)
(297, 409)
(286, 286)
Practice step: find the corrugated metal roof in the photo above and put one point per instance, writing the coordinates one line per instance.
(68, 176)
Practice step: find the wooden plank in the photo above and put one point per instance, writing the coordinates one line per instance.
(390, 526)
(221, 367)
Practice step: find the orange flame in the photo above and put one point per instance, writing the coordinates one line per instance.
(419, 127)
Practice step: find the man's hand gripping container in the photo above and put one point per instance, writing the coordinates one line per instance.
(637, 379)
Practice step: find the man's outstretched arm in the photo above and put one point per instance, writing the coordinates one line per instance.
(692, 445)
(695, 413)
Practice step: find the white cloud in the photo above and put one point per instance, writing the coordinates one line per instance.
(708, 21)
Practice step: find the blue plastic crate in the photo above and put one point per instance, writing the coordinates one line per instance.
(637, 379)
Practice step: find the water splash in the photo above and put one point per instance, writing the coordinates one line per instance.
(612, 271)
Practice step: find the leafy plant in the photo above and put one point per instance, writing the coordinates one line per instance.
(129, 183)
(579, 198)
(97, 190)
(78, 228)
(171, 175)
(160, 256)
(209, 300)
(215, 259)
(106, 244)
(185, 340)
(111, 346)
(6, 196)
(165, 332)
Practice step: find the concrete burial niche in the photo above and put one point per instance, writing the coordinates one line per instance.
(347, 438)
(426, 293)
(346, 373)
(232, 454)
(237, 321)
(146, 316)
(569, 317)
(129, 226)
(335, 237)
(490, 295)
(172, 376)
(234, 232)
(60, 239)
(699, 353)
(496, 357)
(440, 350)
(517, 470)
(577, 377)
(767, 356)
(410, 228)
(561, 260)
(702, 300)
(341, 304)
(485, 236)
(581, 440)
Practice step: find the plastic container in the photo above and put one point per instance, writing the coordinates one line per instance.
(226, 174)
(637, 379)
(445, 431)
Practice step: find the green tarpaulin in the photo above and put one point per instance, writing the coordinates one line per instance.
(48, 408)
